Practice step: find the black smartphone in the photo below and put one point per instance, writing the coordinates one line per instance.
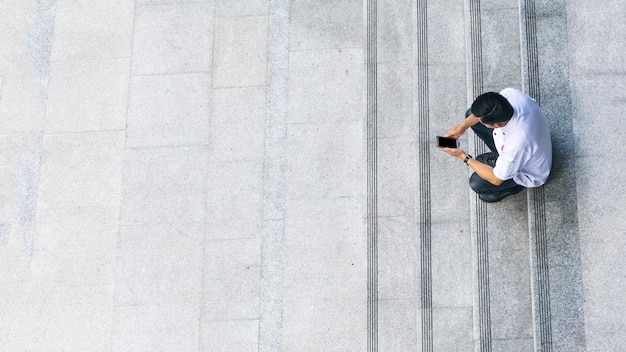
(443, 142)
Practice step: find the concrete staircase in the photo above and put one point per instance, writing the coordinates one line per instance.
(526, 263)
(213, 175)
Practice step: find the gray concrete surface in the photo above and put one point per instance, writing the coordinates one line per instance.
(194, 175)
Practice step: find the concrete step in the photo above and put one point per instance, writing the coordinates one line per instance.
(424, 248)
(558, 296)
(503, 314)
(597, 77)
(571, 300)
(498, 246)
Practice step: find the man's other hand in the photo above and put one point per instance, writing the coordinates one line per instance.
(455, 132)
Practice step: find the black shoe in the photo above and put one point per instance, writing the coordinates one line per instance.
(498, 196)
(488, 158)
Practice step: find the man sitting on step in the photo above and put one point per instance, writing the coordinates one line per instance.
(516, 131)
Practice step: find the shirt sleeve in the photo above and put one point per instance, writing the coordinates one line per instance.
(509, 164)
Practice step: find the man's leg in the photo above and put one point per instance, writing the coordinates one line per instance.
(486, 134)
(491, 193)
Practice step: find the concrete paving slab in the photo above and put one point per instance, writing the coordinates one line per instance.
(509, 270)
(153, 270)
(234, 197)
(317, 318)
(232, 280)
(449, 182)
(594, 32)
(324, 161)
(452, 299)
(452, 262)
(602, 241)
(330, 25)
(166, 167)
(238, 124)
(395, 106)
(323, 291)
(168, 110)
(173, 38)
(513, 345)
(82, 170)
(151, 327)
(17, 30)
(152, 205)
(326, 86)
(446, 44)
(63, 270)
(227, 8)
(511, 308)
(448, 102)
(83, 231)
(312, 229)
(17, 331)
(394, 32)
(230, 336)
(398, 324)
(452, 329)
(82, 32)
(590, 136)
(240, 51)
(501, 48)
(398, 259)
(396, 177)
(21, 105)
(87, 96)
(568, 318)
(86, 315)
(68, 317)
(160, 2)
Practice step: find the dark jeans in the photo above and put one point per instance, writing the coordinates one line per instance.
(477, 183)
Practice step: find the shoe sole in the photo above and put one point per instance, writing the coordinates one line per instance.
(509, 193)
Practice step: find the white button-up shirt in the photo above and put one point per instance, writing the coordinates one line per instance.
(524, 144)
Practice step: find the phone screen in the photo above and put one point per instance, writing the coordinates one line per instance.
(443, 142)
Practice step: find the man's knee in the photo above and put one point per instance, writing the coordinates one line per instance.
(476, 183)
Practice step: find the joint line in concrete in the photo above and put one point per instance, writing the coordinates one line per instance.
(482, 316)
(271, 300)
(372, 192)
(425, 229)
(536, 200)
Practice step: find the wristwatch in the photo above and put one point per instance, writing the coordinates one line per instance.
(467, 159)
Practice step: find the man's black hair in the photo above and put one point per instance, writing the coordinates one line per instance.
(492, 108)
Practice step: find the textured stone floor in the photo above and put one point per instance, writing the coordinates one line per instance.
(260, 175)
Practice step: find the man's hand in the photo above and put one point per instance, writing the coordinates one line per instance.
(483, 170)
(455, 152)
(456, 132)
